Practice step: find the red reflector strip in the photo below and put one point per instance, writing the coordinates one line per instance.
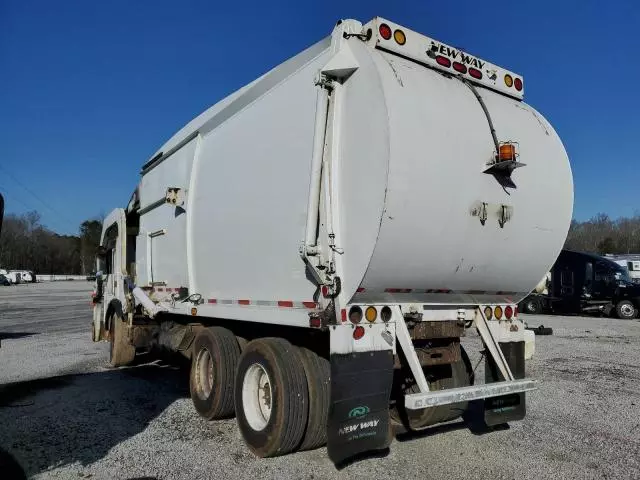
(360, 290)
(285, 303)
(212, 300)
(444, 61)
(475, 73)
(309, 304)
(398, 290)
(343, 314)
(459, 67)
(244, 302)
(315, 322)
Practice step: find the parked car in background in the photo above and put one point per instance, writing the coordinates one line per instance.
(4, 281)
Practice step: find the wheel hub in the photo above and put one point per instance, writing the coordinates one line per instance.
(257, 400)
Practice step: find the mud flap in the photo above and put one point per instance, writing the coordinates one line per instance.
(359, 409)
(508, 408)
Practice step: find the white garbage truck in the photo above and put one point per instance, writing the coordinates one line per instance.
(318, 242)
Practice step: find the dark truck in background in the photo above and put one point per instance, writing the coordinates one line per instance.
(586, 283)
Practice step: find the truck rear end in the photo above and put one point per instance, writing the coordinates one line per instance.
(306, 311)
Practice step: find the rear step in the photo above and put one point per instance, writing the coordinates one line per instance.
(416, 401)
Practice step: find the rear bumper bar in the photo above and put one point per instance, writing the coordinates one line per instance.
(416, 401)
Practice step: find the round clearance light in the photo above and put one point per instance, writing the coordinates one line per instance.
(358, 332)
(399, 37)
(498, 312)
(518, 84)
(385, 314)
(488, 313)
(508, 312)
(385, 31)
(508, 80)
(371, 314)
(355, 315)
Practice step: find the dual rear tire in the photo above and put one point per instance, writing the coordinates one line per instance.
(279, 392)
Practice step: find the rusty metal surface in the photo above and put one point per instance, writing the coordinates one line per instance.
(435, 355)
(445, 329)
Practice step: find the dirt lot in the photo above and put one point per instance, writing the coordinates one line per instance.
(64, 414)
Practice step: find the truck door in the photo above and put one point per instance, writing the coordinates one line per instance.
(111, 270)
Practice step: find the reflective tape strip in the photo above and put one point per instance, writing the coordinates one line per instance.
(264, 303)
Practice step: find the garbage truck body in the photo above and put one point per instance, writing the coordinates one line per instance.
(318, 242)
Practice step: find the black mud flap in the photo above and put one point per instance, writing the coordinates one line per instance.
(359, 410)
(507, 408)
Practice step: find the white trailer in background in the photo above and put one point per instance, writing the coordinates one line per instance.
(318, 241)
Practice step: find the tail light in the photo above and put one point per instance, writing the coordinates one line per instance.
(508, 80)
(444, 61)
(385, 31)
(498, 312)
(475, 73)
(459, 67)
(508, 312)
(399, 37)
(518, 84)
(355, 315)
(488, 313)
(371, 314)
(358, 332)
(385, 314)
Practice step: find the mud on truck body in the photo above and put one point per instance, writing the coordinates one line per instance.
(318, 242)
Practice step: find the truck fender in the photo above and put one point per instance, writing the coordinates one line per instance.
(115, 307)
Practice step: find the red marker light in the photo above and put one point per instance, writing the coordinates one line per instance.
(444, 61)
(475, 73)
(508, 312)
(358, 332)
(459, 67)
(385, 31)
(518, 84)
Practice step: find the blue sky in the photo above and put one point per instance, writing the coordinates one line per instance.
(89, 90)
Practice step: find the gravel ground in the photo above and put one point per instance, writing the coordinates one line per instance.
(64, 414)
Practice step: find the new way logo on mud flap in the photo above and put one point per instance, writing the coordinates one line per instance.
(358, 426)
(358, 411)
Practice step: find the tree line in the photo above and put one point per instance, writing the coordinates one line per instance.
(26, 244)
(603, 235)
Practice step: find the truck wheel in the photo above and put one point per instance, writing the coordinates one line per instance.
(626, 310)
(532, 305)
(318, 372)
(440, 377)
(271, 396)
(121, 352)
(213, 365)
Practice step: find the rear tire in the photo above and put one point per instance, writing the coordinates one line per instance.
(318, 372)
(271, 396)
(625, 310)
(213, 365)
(121, 352)
(532, 305)
(440, 377)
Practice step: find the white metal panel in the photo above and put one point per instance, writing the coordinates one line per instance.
(440, 143)
(249, 196)
(175, 171)
(162, 257)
